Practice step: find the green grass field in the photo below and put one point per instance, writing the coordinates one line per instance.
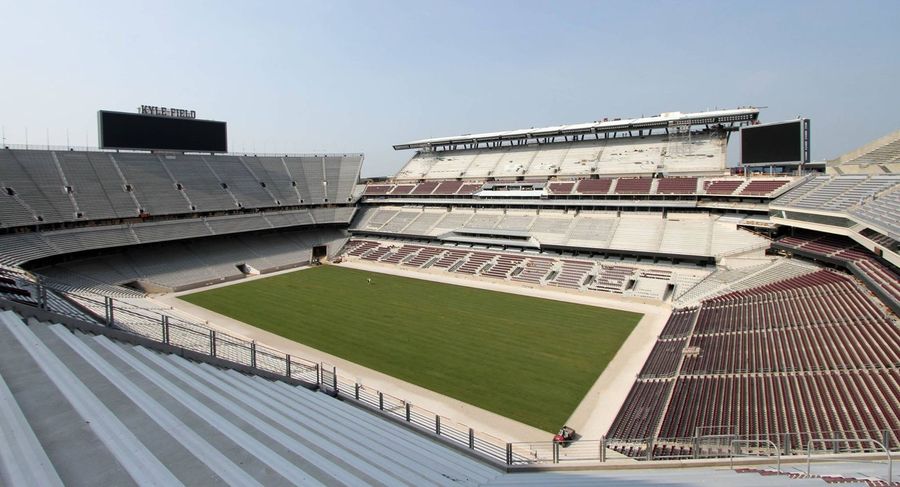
(529, 359)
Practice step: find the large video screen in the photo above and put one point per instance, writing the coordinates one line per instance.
(133, 131)
(772, 143)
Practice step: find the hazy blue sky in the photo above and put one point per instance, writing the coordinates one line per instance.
(331, 76)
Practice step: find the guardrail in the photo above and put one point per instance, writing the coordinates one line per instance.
(887, 451)
(735, 451)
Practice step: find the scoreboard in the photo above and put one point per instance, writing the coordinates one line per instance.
(172, 129)
(774, 143)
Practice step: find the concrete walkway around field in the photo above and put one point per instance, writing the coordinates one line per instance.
(591, 418)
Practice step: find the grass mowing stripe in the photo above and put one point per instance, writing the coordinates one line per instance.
(529, 359)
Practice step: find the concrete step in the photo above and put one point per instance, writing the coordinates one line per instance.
(23, 460)
(281, 428)
(404, 442)
(103, 433)
(199, 462)
(229, 423)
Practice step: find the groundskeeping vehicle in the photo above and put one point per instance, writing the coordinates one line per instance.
(565, 436)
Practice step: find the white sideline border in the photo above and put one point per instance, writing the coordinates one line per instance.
(591, 419)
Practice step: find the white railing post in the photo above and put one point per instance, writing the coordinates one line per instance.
(334, 382)
(107, 305)
(603, 449)
(165, 329)
(808, 457)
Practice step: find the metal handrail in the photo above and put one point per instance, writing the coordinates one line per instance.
(890, 475)
(751, 442)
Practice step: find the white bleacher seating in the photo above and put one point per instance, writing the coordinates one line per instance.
(484, 220)
(424, 222)
(587, 230)
(686, 234)
(186, 263)
(170, 230)
(200, 184)
(516, 222)
(289, 218)
(620, 156)
(148, 417)
(237, 223)
(46, 186)
(151, 184)
(638, 232)
(13, 213)
(65, 241)
(87, 187)
(109, 176)
(881, 211)
(33, 176)
(551, 228)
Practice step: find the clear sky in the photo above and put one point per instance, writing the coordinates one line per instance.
(292, 76)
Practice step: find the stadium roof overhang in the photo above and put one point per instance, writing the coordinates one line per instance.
(663, 121)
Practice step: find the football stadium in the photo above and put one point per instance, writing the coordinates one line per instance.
(599, 301)
(468, 243)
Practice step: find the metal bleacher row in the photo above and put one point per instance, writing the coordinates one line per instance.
(783, 361)
(678, 233)
(138, 416)
(525, 268)
(717, 186)
(18, 248)
(47, 186)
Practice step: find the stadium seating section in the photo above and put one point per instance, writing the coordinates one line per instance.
(879, 276)
(56, 203)
(695, 234)
(879, 156)
(802, 356)
(703, 153)
(588, 275)
(18, 248)
(42, 186)
(872, 200)
(186, 264)
(756, 186)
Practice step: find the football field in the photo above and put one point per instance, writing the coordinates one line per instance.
(529, 359)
